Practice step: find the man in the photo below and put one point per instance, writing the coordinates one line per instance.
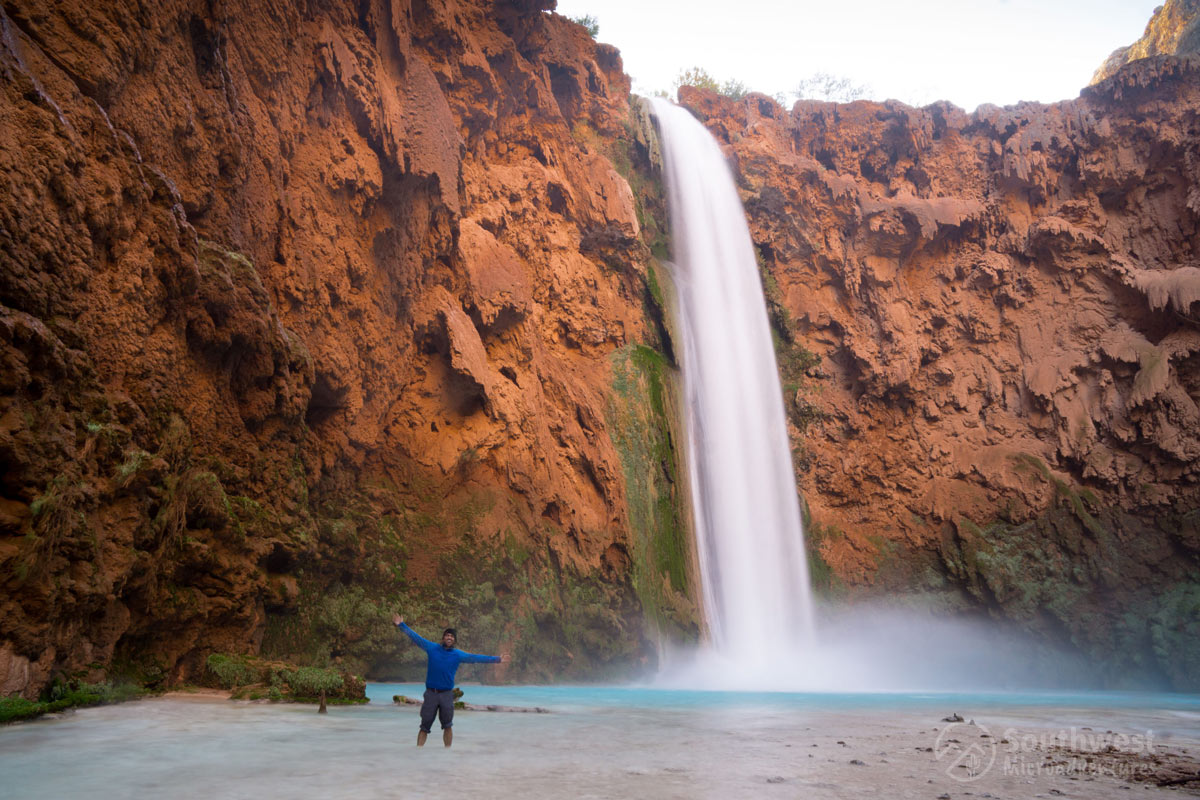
(444, 659)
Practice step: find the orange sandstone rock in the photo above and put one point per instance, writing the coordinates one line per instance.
(277, 281)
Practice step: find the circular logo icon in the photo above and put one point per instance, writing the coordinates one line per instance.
(968, 750)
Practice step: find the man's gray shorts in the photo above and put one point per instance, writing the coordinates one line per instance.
(439, 704)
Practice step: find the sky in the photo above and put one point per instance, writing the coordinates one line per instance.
(966, 51)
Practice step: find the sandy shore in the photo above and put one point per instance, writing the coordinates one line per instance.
(1025, 753)
(196, 744)
(992, 756)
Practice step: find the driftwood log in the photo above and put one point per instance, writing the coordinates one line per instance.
(402, 700)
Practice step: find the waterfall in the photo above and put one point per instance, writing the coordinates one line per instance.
(749, 536)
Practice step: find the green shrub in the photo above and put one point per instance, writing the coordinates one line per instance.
(231, 671)
(700, 77)
(17, 708)
(590, 23)
(58, 519)
(61, 695)
(311, 681)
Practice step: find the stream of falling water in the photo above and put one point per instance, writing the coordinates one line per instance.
(749, 536)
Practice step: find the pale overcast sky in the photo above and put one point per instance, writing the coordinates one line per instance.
(966, 51)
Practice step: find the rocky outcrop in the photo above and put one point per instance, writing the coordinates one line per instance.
(1173, 30)
(302, 310)
(1003, 306)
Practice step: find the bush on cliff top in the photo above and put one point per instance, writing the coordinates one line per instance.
(700, 77)
(590, 24)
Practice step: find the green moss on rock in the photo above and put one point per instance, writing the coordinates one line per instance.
(641, 417)
(822, 577)
(1066, 574)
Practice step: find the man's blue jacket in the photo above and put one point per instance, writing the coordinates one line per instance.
(443, 662)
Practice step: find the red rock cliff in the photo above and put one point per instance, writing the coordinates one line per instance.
(310, 311)
(1174, 29)
(1003, 307)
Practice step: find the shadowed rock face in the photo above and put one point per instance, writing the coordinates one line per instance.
(1004, 308)
(309, 305)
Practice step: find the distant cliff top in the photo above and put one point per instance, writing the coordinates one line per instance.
(1174, 29)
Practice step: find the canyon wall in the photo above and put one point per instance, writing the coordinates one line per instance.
(313, 311)
(989, 331)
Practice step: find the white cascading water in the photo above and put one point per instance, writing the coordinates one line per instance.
(749, 536)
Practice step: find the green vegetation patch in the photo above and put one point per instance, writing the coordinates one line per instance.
(253, 678)
(501, 589)
(589, 23)
(700, 78)
(347, 623)
(553, 622)
(1065, 573)
(311, 682)
(824, 580)
(61, 695)
(642, 418)
(231, 671)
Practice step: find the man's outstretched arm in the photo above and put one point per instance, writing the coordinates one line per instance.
(419, 640)
(475, 658)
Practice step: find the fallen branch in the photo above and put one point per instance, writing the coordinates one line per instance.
(401, 700)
